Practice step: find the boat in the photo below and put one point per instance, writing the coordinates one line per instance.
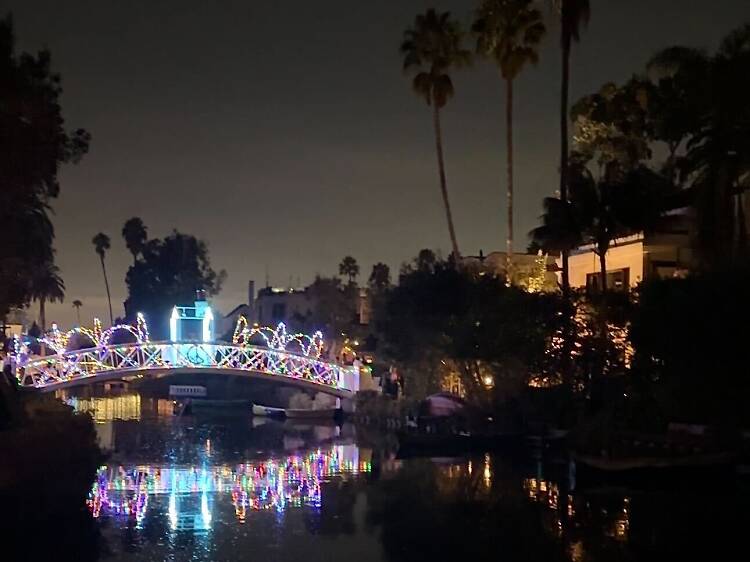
(219, 404)
(192, 406)
(326, 414)
(268, 412)
(632, 463)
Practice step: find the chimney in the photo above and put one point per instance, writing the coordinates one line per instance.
(251, 299)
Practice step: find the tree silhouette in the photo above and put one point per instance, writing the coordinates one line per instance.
(33, 146)
(432, 47)
(101, 245)
(77, 305)
(135, 235)
(574, 14)
(714, 90)
(349, 268)
(169, 273)
(509, 33)
(46, 286)
(380, 278)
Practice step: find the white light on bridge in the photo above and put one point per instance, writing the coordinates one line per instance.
(173, 324)
(208, 321)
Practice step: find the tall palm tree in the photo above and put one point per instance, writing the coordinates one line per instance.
(431, 48)
(46, 286)
(574, 14)
(101, 245)
(509, 33)
(135, 235)
(77, 305)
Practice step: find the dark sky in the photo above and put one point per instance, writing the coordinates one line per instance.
(284, 134)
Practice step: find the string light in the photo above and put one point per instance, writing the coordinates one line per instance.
(538, 275)
(278, 339)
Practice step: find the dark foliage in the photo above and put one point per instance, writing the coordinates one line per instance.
(33, 146)
(690, 337)
(168, 272)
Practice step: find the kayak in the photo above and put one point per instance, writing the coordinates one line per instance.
(268, 412)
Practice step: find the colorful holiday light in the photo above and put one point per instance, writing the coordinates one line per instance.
(276, 483)
(278, 338)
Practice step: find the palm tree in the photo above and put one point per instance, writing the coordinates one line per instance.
(601, 210)
(77, 305)
(574, 14)
(350, 268)
(134, 233)
(509, 33)
(101, 245)
(46, 286)
(431, 48)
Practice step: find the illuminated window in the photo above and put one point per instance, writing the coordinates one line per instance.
(617, 280)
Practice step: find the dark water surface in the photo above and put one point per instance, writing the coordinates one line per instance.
(208, 488)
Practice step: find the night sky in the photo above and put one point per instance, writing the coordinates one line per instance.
(286, 136)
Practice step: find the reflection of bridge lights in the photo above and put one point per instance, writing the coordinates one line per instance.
(276, 484)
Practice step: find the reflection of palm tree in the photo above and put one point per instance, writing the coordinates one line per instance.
(509, 33)
(101, 245)
(433, 47)
(77, 305)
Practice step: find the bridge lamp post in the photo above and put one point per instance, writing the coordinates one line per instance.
(173, 324)
(208, 324)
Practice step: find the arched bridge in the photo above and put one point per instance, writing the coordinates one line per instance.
(302, 367)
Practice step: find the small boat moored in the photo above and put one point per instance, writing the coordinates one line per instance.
(268, 412)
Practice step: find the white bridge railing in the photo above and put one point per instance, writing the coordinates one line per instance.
(111, 361)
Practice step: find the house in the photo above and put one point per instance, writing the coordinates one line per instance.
(523, 267)
(665, 252)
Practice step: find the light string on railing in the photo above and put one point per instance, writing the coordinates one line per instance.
(278, 339)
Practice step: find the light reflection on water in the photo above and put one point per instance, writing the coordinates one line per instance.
(243, 488)
(292, 481)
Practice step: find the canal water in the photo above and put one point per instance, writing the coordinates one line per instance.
(217, 488)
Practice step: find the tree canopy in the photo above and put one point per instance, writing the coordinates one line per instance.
(168, 272)
(34, 144)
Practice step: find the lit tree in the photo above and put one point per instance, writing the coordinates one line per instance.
(538, 276)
